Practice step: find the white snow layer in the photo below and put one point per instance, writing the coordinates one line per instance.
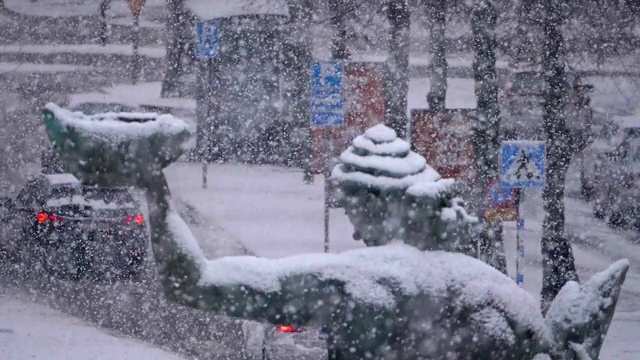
(184, 238)
(12, 67)
(109, 126)
(397, 146)
(33, 331)
(62, 180)
(432, 188)
(80, 200)
(95, 49)
(575, 305)
(411, 164)
(383, 152)
(363, 271)
(214, 9)
(380, 134)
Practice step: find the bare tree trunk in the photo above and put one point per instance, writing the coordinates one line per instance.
(396, 72)
(339, 12)
(104, 27)
(487, 127)
(175, 47)
(558, 265)
(437, 57)
(297, 59)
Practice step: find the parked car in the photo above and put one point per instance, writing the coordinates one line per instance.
(73, 231)
(522, 99)
(612, 173)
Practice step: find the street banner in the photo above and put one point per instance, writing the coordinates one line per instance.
(445, 141)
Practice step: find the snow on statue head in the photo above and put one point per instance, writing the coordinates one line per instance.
(390, 193)
(386, 302)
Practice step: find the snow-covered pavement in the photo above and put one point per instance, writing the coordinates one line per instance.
(268, 209)
(33, 331)
(93, 49)
(273, 214)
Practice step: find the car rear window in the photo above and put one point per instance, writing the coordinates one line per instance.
(92, 202)
(109, 196)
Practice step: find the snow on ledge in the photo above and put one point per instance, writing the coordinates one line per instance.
(107, 124)
(214, 9)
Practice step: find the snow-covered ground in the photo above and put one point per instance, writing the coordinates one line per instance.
(14, 67)
(268, 209)
(460, 94)
(108, 49)
(69, 8)
(32, 331)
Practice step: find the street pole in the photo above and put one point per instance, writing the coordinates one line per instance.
(327, 174)
(135, 68)
(204, 174)
(519, 242)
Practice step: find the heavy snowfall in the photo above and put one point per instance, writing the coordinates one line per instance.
(331, 179)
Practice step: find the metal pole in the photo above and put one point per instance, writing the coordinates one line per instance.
(327, 140)
(205, 169)
(135, 68)
(519, 243)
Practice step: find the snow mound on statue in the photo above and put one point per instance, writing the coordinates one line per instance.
(580, 315)
(115, 149)
(379, 159)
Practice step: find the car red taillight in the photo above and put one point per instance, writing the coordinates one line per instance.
(139, 219)
(288, 329)
(44, 217)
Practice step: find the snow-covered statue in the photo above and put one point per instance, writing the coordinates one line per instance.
(390, 193)
(386, 302)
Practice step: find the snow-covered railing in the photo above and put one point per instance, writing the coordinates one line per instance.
(390, 301)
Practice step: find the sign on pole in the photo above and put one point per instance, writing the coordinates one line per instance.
(327, 98)
(522, 164)
(136, 7)
(327, 110)
(503, 203)
(207, 46)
